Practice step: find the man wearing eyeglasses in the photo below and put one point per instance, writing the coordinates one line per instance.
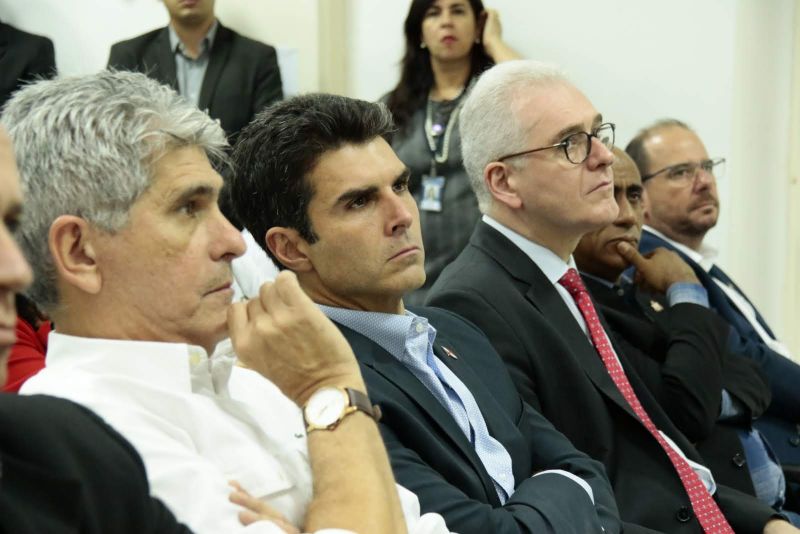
(682, 206)
(539, 158)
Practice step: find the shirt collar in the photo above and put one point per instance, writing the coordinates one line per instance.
(704, 257)
(548, 261)
(172, 366)
(389, 330)
(177, 46)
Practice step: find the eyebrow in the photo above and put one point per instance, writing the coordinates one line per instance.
(351, 194)
(575, 128)
(200, 190)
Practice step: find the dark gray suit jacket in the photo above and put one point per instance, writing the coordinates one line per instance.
(242, 76)
(432, 457)
(558, 371)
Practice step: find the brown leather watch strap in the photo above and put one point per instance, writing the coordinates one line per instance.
(360, 401)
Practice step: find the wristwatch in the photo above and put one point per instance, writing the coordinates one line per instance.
(327, 407)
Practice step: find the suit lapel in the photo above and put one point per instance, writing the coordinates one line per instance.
(543, 296)
(159, 60)
(220, 51)
(374, 357)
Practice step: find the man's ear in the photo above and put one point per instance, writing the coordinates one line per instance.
(72, 246)
(289, 248)
(499, 181)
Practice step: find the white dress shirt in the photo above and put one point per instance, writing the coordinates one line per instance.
(554, 268)
(197, 422)
(705, 258)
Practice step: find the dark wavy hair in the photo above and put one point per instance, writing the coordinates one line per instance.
(416, 76)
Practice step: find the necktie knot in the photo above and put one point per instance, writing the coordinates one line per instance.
(572, 282)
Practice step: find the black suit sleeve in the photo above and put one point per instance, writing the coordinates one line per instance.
(548, 503)
(269, 87)
(686, 375)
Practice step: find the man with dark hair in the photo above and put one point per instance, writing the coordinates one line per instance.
(539, 157)
(682, 205)
(679, 346)
(320, 188)
(212, 66)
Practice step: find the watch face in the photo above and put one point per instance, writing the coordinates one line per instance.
(326, 406)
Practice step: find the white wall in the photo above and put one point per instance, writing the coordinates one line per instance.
(724, 66)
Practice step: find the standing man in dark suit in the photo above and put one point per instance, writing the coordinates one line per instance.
(682, 205)
(539, 157)
(679, 346)
(324, 194)
(23, 57)
(217, 69)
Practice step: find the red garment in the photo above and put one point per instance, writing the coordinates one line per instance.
(27, 355)
(705, 508)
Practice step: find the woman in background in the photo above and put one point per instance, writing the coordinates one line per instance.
(449, 43)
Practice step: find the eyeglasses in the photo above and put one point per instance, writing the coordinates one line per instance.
(577, 146)
(683, 173)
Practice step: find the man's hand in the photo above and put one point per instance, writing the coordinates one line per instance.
(285, 337)
(255, 510)
(658, 269)
(779, 526)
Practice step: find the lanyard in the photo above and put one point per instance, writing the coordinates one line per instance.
(431, 134)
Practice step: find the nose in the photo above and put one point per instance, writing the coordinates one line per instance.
(445, 19)
(228, 242)
(626, 216)
(599, 156)
(400, 214)
(15, 273)
(703, 179)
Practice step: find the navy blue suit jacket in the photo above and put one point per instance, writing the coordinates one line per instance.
(781, 421)
(432, 457)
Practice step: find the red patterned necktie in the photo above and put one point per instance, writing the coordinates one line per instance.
(705, 508)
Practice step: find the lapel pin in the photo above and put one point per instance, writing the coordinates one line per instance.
(656, 306)
(449, 352)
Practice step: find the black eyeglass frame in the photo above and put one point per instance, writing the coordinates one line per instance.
(713, 161)
(563, 144)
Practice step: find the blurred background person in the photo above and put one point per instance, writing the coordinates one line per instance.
(23, 57)
(227, 74)
(449, 43)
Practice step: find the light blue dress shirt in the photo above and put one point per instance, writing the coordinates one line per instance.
(409, 338)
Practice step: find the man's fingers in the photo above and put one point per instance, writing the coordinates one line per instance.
(630, 254)
(237, 319)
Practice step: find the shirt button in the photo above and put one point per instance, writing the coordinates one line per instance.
(420, 328)
(794, 441)
(738, 459)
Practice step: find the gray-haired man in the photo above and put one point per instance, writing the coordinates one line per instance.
(132, 259)
(539, 157)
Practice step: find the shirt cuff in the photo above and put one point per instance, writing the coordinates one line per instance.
(578, 480)
(687, 292)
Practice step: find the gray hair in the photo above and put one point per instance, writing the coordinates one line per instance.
(635, 148)
(87, 146)
(489, 123)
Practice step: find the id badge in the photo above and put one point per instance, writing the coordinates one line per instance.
(432, 189)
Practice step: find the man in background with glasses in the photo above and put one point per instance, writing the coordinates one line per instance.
(682, 206)
(539, 159)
